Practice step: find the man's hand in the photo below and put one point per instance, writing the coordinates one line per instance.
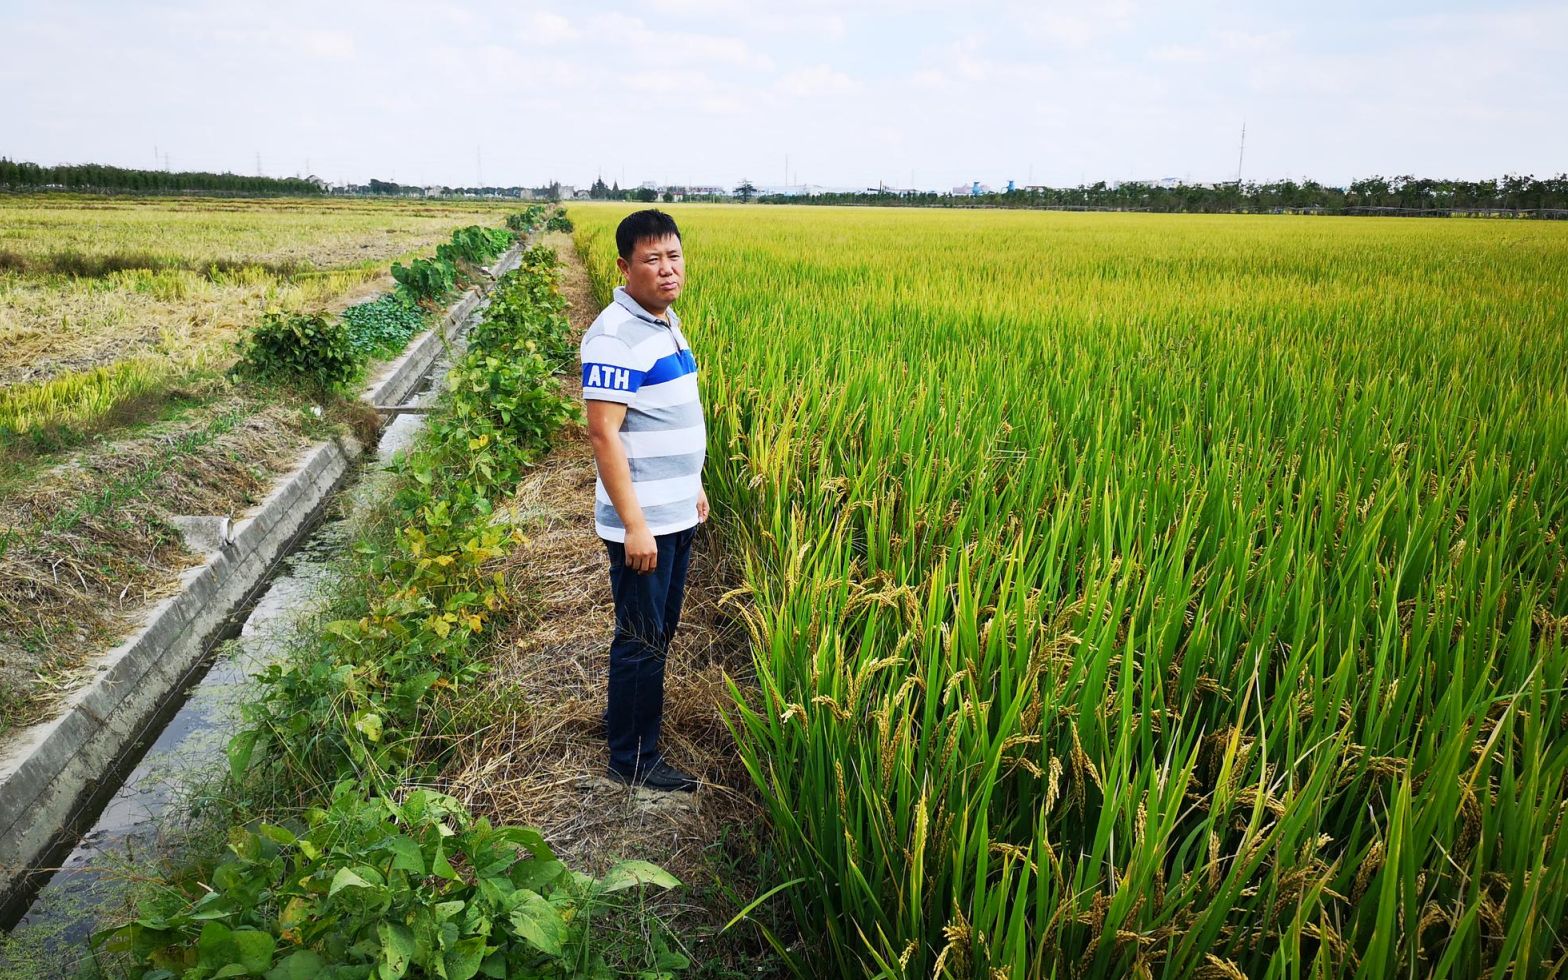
(702, 505)
(642, 551)
(604, 427)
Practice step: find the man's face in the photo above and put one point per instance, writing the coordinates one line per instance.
(655, 272)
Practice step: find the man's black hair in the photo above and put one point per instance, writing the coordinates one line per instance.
(642, 225)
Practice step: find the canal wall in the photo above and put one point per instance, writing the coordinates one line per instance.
(54, 774)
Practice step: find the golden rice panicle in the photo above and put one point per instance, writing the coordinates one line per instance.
(1240, 531)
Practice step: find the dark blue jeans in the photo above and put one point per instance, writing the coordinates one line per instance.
(647, 610)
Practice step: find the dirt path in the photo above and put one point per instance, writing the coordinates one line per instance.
(540, 756)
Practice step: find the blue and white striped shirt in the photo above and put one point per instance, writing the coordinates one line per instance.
(630, 356)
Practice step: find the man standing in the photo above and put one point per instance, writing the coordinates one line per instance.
(649, 442)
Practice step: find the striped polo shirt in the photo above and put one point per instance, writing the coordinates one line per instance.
(632, 357)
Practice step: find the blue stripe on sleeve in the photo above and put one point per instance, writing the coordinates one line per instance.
(612, 377)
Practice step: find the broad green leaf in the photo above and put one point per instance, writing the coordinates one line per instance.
(406, 855)
(302, 964)
(539, 922)
(239, 751)
(255, 949)
(346, 878)
(439, 865)
(369, 725)
(244, 844)
(215, 947)
(280, 835)
(462, 960)
(629, 874)
(349, 629)
(537, 874)
(494, 965)
(215, 905)
(397, 949)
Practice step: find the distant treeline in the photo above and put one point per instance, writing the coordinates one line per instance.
(16, 176)
(549, 192)
(1368, 195)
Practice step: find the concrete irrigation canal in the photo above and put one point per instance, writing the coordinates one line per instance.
(84, 798)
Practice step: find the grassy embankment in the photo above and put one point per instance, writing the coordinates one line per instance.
(341, 860)
(153, 294)
(110, 308)
(1146, 594)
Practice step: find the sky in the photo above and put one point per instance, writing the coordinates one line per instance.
(900, 92)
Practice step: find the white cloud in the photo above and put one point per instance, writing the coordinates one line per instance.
(699, 8)
(548, 27)
(337, 45)
(969, 62)
(816, 81)
(636, 43)
(1073, 23)
(1252, 42)
(1179, 54)
(852, 93)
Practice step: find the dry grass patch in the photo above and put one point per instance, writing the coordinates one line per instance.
(88, 546)
(540, 755)
(50, 327)
(318, 233)
(84, 283)
(536, 752)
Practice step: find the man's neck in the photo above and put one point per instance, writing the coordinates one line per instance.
(657, 312)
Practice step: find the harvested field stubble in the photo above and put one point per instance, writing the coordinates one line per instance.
(103, 300)
(88, 543)
(1147, 594)
(282, 235)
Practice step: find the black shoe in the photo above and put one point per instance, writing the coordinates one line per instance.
(660, 776)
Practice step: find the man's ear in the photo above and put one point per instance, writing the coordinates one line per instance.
(622, 264)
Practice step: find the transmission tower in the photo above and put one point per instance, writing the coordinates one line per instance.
(1242, 153)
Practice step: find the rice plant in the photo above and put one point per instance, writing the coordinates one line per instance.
(79, 398)
(1146, 595)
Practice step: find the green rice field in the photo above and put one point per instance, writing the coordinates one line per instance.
(1145, 595)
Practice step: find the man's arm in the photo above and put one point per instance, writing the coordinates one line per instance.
(604, 434)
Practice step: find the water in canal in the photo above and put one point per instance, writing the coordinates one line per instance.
(131, 836)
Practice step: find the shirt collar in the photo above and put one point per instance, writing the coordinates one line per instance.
(624, 298)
